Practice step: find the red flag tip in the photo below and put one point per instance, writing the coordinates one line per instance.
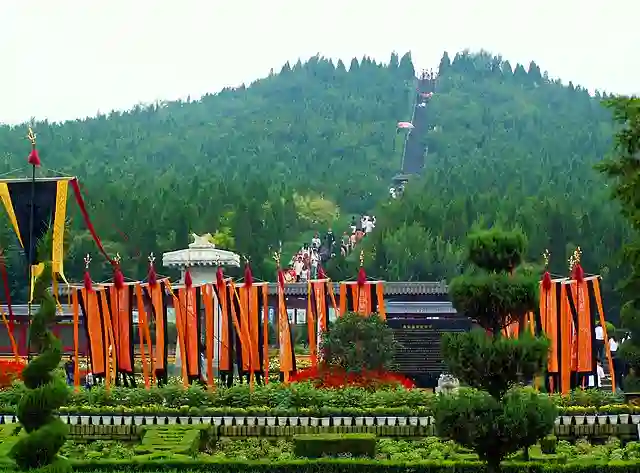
(34, 158)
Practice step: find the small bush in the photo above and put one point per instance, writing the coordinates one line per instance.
(548, 444)
(321, 445)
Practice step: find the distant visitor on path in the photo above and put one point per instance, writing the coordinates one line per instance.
(70, 370)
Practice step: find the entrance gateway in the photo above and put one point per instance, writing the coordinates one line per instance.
(418, 312)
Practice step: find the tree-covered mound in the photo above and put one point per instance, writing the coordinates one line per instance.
(507, 146)
(260, 163)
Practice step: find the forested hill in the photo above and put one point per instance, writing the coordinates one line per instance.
(510, 147)
(252, 163)
(269, 162)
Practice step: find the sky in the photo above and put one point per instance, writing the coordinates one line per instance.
(67, 59)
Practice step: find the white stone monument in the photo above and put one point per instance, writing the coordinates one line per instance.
(202, 259)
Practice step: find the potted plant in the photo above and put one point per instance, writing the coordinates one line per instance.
(183, 415)
(614, 412)
(213, 414)
(304, 416)
(567, 417)
(590, 415)
(624, 413)
(117, 415)
(602, 414)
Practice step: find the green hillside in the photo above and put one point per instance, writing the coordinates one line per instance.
(507, 146)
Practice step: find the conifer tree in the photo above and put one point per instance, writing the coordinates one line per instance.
(495, 416)
(45, 432)
(624, 169)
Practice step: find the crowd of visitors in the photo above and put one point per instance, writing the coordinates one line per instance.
(306, 262)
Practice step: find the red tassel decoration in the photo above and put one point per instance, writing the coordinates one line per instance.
(188, 282)
(362, 277)
(248, 277)
(152, 278)
(34, 158)
(220, 279)
(321, 273)
(546, 281)
(88, 285)
(578, 273)
(118, 277)
(281, 278)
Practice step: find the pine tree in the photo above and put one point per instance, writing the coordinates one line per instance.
(494, 416)
(624, 169)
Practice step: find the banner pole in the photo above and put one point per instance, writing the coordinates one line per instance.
(34, 161)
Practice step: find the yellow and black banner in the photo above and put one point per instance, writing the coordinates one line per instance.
(49, 200)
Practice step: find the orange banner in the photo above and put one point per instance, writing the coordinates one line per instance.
(585, 351)
(207, 298)
(95, 332)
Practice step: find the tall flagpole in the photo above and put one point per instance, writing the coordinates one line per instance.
(34, 161)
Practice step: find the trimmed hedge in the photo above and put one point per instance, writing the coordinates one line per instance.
(320, 445)
(273, 399)
(344, 466)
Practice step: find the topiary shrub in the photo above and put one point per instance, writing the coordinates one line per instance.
(323, 445)
(46, 392)
(495, 415)
(356, 343)
(549, 444)
(356, 351)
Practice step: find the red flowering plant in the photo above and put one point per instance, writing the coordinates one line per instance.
(356, 351)
(10, 371)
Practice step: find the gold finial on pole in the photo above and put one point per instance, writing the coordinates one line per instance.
(361, 258)
(546, 256)
(151, 258)
(117, 258)
(276, 257)
(575, 258)
(87, 261)
(31, 136)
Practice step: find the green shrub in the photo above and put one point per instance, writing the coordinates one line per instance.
(495, 416)
(548, 444)
(46, 391)
(331, 465)
(321, 445)
(356, 343)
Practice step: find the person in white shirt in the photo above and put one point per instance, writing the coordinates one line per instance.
(315, 259)
(617, 371)
(316, 242)
(297, 267)
(368, 226)
(600, 373)
(599, 332)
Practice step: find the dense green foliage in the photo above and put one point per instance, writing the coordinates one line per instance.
(513, 148)
(493, 416)
(46, 391)
(507, 146)
(356, 344)
(624, 170)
